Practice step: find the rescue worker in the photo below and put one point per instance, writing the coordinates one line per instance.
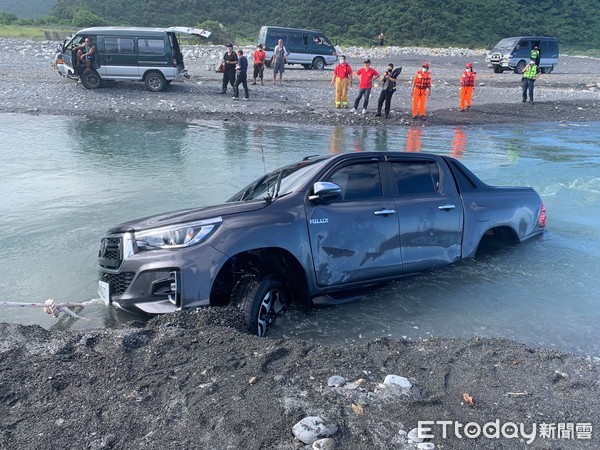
(536, 55)
(530, 74)
(342, 77)
(467, 84)
(421, 90)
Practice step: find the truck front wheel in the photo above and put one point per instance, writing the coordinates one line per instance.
(261, 300)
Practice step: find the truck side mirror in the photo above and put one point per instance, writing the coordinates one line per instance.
(325, 190)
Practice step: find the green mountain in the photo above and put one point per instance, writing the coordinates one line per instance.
(465, 23)
(28, 8)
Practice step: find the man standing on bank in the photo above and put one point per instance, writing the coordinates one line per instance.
(342, 77)
(241, 76)
(259, 64)
(388, 88)
(230, 60)
(421, 90)
(530, 73)
(278, 61)
(366, 75)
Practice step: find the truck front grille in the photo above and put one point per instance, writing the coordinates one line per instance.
(119, 282)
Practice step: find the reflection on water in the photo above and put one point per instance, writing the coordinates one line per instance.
(64, 181)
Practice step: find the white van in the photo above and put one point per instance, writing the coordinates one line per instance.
(310, 48)
(513, 53)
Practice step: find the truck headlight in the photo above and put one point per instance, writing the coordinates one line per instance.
(176, 236)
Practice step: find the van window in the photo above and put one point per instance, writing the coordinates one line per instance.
(151, 46)
(273, 37)
(123, 46)
(547, 48)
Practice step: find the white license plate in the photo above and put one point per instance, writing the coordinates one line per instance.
(104, 292)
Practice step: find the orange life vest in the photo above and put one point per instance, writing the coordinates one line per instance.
(468, 79)
(423, 80)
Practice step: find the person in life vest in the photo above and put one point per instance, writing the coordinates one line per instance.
(467, 83)
(530, 74)
(342, 77)
(421, 90)
(536, 55)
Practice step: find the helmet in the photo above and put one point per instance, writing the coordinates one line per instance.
(425, 65)
(469, 65)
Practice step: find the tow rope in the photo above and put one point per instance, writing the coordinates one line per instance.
(49, 307)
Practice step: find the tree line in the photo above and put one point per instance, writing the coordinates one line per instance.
(576, 23)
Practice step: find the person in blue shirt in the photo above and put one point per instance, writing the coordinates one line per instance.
(241, 76)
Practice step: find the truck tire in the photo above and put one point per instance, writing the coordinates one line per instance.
(155, 81)
(260, 300)
(318, 63)
(91, 79)
(520, 66)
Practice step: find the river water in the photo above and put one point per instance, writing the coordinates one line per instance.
(64, 181)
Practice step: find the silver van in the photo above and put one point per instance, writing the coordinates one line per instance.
(310, 48)
(151, 55)
(513, 53)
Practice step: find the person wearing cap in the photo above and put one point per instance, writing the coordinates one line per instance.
(230, 60)
(366, 75)
(388, 88)
(530, 73)
(467, 84)
(536, 55)
(342, 76)
(259, 57)
(421, 90)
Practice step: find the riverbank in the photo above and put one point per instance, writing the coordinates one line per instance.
(571, 93)
(196, 380)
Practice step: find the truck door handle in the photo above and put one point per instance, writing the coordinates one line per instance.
(447, 207)
(384, 212)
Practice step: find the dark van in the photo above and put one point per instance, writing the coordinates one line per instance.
(513, 53)
(151, 55)
(310, 48)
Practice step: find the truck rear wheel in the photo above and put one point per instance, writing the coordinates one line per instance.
(261, 300)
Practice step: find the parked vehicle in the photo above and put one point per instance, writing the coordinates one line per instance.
(310, 48)
(513, 53)
(151, 55)
(312, 233)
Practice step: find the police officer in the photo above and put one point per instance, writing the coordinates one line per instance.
(530, 74)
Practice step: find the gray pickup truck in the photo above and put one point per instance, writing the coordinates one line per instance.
(312, 232)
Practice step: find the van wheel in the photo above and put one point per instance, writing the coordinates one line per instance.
(91, 79)
(498, 70)
(520, 66)
(155, 81)
(260, 300)
(318, 63)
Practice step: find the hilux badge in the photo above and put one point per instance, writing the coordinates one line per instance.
(314, 221)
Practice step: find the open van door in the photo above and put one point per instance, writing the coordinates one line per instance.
(187, 30)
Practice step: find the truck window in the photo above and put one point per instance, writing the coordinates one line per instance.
(358, 181)
(151, 46)
(123, 46)
(416, 177)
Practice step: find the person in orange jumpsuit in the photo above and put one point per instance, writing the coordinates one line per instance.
(467, 83)
(421, 90)
(342, 77)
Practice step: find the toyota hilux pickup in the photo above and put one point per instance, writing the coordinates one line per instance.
(312, 232)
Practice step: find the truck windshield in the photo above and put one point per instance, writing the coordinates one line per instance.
(279, 182)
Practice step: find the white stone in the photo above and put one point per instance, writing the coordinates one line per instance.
(336, 381)
(398, 381)
(324, 444)
(413, 435)
(313, 428)
(425, 446)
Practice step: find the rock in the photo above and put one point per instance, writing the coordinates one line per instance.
(336, 381)
(425, 446)
(324, 444)
(253, 380)
(313, 428)
(396, 380)
(413, 435)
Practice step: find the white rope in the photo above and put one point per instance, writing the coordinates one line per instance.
(49, 307)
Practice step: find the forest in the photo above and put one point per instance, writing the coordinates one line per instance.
(576, 23)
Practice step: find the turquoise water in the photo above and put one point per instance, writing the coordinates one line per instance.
(64, 181)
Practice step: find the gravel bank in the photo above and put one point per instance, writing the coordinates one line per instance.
(29, 84)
